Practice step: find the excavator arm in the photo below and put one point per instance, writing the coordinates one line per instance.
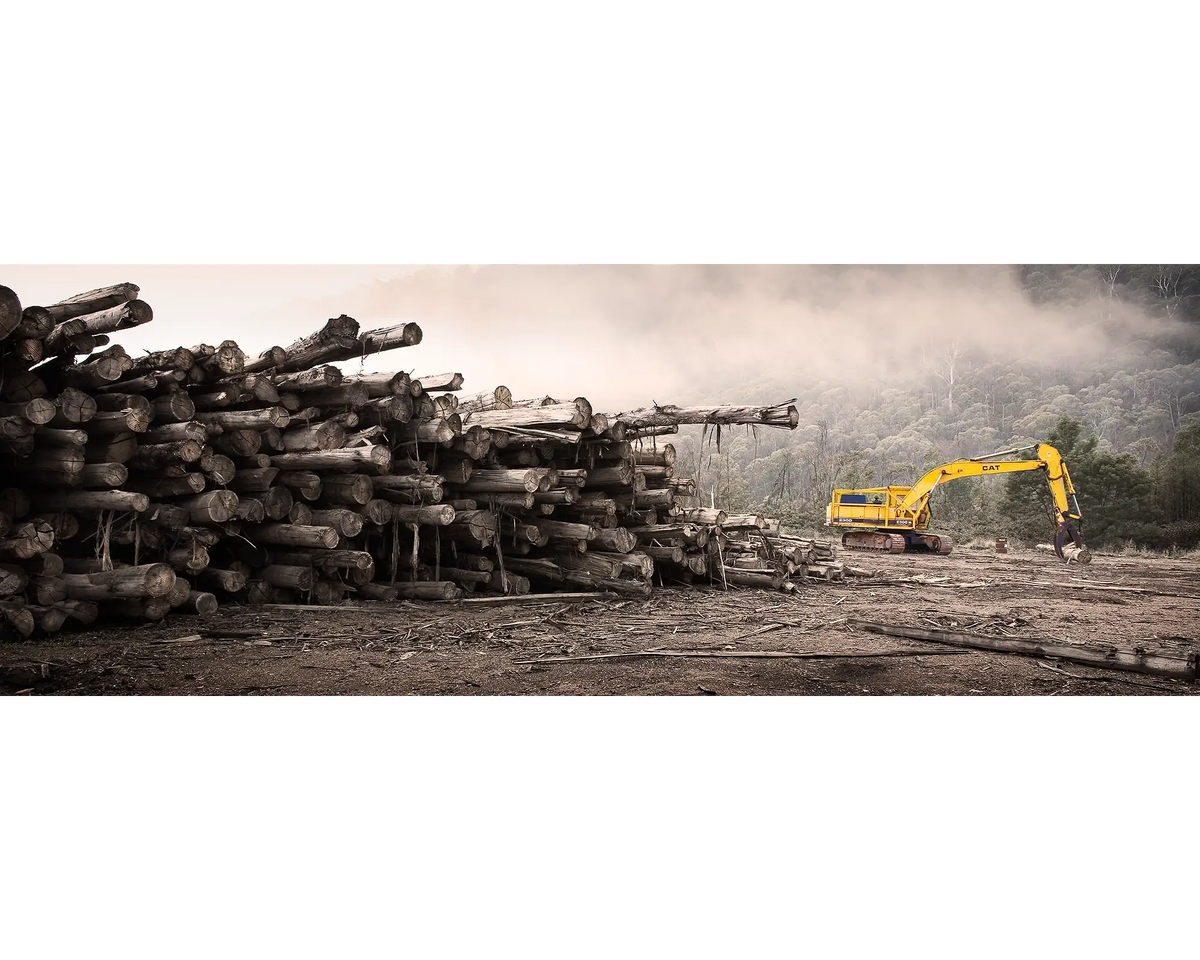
(1066, 506)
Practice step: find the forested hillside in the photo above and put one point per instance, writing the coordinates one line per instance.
(1108, 370)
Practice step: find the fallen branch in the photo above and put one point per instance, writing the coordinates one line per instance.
(743, 654)
(1113, 658)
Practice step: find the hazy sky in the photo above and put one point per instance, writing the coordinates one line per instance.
(623, 336)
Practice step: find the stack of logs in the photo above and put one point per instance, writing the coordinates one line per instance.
(195, 476)
(761, 555)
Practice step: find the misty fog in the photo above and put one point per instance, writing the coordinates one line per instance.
(625, 336)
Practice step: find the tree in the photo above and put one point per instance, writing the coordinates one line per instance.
(1115, 495)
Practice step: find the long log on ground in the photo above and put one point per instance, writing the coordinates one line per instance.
(1160, 663)
(747, 578)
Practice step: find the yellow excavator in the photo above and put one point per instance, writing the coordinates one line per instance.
(893, 519)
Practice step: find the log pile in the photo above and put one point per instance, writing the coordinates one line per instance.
(759, 554)
(198, 475)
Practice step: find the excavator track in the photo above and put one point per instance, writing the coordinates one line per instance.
(871, 540)
(933, 543)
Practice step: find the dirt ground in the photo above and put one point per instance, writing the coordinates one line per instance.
(469, 648)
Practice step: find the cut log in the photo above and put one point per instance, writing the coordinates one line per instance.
(152, 457)
(381, 385)
(303, 483)
(295, 535)
(13, 580)
(431, 590)
(88, 500)
(216, 363)
(346, 522)
(508, 584)
(199, 602)
(36, 412)
(17, 616)
(254, 481)
(121, 316)
(191, 558)
(115, 422)
(289, 577)
(244, 419)
(386, 338)
(269, 359)
(377, 591)
(277, 502)
(377, 512)
(615, 540)
(315, 378)
(92, 301)
(158, 487)
(349, 459)
(326, 435)
(439, 515)
(53, 466)
(347, 489)
(229, 581)
(147, 580)
(216, 506)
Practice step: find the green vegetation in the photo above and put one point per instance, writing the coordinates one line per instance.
(1127, 419)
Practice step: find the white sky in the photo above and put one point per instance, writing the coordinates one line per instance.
(261, 304)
